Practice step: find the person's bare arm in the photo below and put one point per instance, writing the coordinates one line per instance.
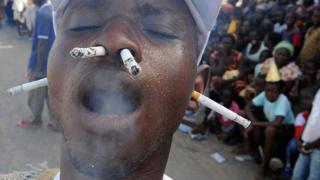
(248, 109)
(315, 144)
(276, 123)
(249, 112)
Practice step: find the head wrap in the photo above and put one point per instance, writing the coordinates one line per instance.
(204, 13)
(286, 45)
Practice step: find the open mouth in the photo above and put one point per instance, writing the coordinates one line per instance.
(110, 102)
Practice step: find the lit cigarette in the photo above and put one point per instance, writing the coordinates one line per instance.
(127, 58)
(129, 62)
(28, 86)
(220, 109)
(88, 52)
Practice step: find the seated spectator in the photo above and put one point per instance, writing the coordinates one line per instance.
(190, 117)
(277, 113)
(255, 47)
(243, 34)
(289, 71)
(308, 78)
(229, 129)
(292, 34)
(225, 62)
(308, 163)
(306, 97)
(279, 25)
(266, 54)
(311, 46)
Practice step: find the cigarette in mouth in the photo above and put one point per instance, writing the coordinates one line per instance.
(28, 86)
(88, 52)
(220, 109)
(127, 58)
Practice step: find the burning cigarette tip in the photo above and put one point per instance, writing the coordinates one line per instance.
(28, 86)
(129, 62)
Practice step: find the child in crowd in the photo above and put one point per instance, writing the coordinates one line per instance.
(306, 97)
(229, 128)
(277, 112)
(292, 34)
(189, 119)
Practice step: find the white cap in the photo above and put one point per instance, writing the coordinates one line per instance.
(204, 13)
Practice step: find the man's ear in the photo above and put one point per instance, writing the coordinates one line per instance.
(203, 77)
(200, 84)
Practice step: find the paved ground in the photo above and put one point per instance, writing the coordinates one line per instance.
(189, 160)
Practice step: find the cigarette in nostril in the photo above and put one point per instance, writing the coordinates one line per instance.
(129, 62)
(88, 52)
(28, 86)
(220, 109)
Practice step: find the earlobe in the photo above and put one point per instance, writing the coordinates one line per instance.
(203, 77)
(200, 84)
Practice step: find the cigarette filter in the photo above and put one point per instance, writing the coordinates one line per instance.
(28, 86)
(88, 52)
(129, 62)
(220, 109)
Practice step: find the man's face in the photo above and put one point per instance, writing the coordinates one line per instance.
(113, 121)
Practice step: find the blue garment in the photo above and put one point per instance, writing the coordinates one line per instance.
(307, 166)
(43, 30)
(281, 107)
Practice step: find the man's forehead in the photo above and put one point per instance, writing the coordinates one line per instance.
(156, 7)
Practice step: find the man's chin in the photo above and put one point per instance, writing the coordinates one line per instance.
(107, 162)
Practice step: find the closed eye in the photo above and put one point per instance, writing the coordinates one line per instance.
(160, 35)
(84, 28)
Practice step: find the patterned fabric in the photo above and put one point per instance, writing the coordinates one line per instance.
(289, 72)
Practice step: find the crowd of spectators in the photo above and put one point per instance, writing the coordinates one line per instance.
(264, 59)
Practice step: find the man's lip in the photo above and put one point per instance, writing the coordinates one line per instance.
(108, 81)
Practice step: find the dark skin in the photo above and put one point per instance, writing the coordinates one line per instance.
(316, 18)
(270, 129)
(162, 36)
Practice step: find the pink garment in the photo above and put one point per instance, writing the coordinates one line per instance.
(225, 123)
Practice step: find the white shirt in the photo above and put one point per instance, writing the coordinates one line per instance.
(165, 177)
(311, 132)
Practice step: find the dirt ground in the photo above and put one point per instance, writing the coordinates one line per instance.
(189, 160)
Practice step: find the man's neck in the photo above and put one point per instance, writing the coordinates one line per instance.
(153, 168)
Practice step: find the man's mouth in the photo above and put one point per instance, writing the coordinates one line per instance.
(110, 102)
(107, 101)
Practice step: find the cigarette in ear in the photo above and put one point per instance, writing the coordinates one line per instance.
(28, 86)
(127, 58)
(207, 102)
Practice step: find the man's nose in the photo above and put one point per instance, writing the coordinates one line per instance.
(118, 35)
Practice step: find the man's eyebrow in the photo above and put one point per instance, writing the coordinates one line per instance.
(147, 9)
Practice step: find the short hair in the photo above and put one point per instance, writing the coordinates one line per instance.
(233, 39)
